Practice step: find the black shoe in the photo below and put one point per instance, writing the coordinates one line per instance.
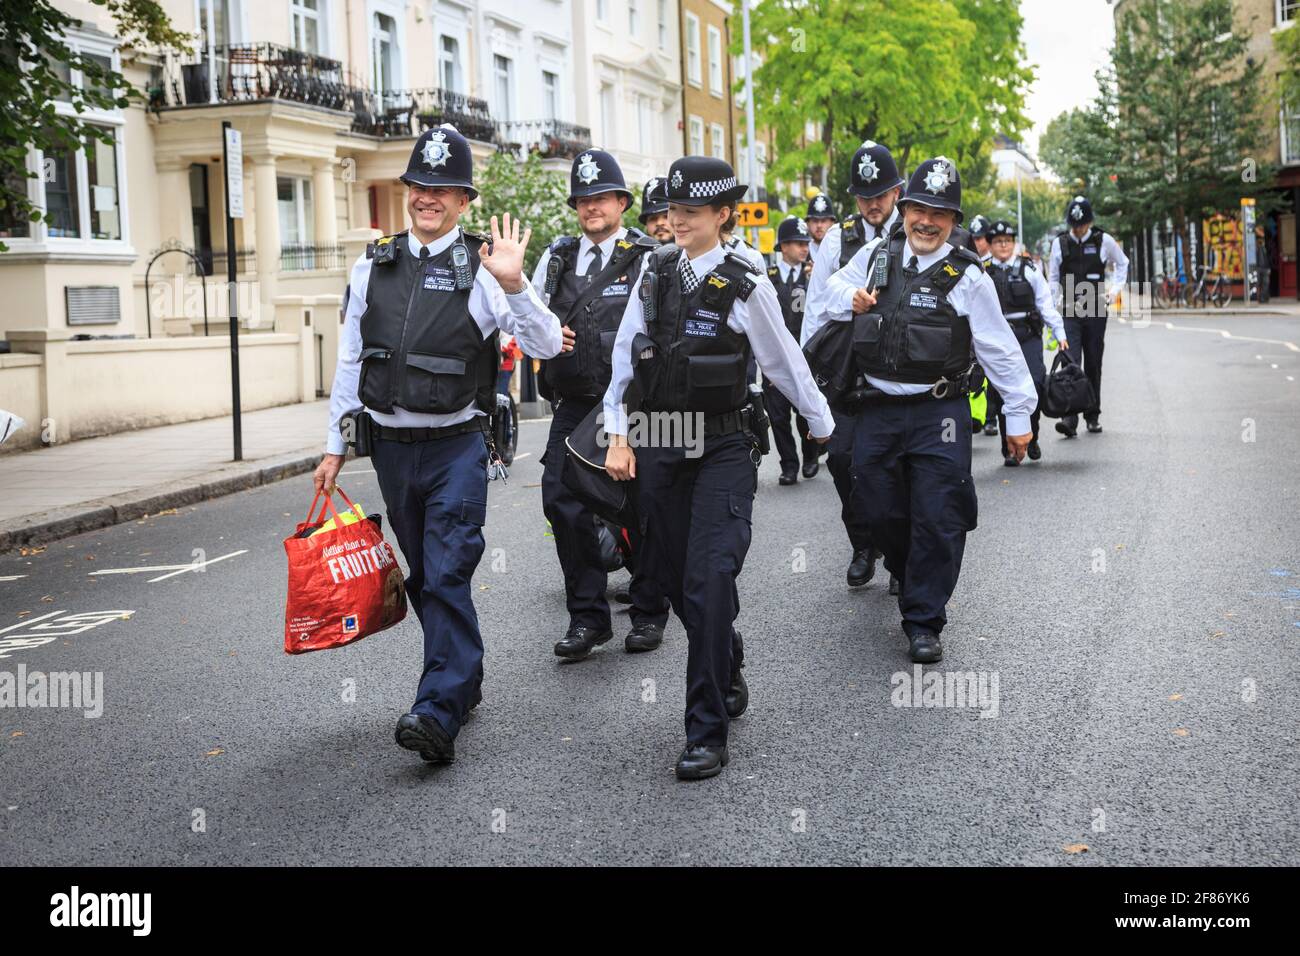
(623, 596)
(862, 568)
(736, 700)
(925, 648)
(699, 762)
(990, 428)
(1094, 427)
(1011, 461)
(1069, 431)
(810, 468)
(426, 737)
(1035, 452)
(893, 585)
(788, 476)
(579, 641)
(643, 637)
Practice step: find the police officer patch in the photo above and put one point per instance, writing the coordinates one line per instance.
(677, 179)
(436, 151)
(937, 179)
(588, 171)
(868, 169)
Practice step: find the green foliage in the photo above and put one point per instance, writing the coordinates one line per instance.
(1043, 203)
(1287, 43)
(924, 77)
(35, 69)
(529, 190)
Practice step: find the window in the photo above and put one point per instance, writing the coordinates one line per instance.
(449, 64)
(643, 127)
(607, 119)
(297, 220)
(693, 49)
(1286, 10)
(220, 10)
(719, 142)
(551, 95)
(663, 24)
(384, 42)
(61, 195)
(696, 145)
(101, 179)
(602, 10)
(306, 25)
(503, 71)
(715, 61)
(633, 21)
(12, 225)
(1290, 140)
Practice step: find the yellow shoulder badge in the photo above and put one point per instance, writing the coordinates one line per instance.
(947, 267)
(717, 281)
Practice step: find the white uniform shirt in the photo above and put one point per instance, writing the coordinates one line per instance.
(975, 297)
(522, 315)
(1042, 296)
(1111, 255)
(760, 320)
(741, 248)
(826, 265)
(582, 264)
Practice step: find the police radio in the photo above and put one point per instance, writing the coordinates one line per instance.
(880, 270)
(553, 268)
(460, 267)
(647, 292)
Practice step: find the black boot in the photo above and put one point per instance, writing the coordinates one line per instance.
(862, 568)
(925, 648)
(699, 762)
(643, 637)
(426, 737)
(579, 641)
(789, 475)
(810, 468)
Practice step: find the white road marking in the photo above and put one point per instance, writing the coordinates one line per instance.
(1225, 334)
(12, 577)
(522, 455)
(175, 569)
(14, 627)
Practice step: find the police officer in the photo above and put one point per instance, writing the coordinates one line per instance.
(1026, 302)
(654, 209)
(418, 359)
(876, 187)
(821, 216)
(790, 279)
(913, 340)
(587, 280)
(699, 314)
(979, 227)
(1076, 271)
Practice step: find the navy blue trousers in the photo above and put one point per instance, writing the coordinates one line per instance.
(788, 446)
(697, 514)
(839, 462)
(435, 493)
(1087, 339)
(913, 486)
(1032, 349)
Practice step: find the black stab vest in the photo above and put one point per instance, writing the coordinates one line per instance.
(420, 348)
(791, 299)
(1083, 276)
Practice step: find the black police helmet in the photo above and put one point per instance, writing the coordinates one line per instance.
(594, 172)
(792, 230)
(1000, 228)
(978, 228)
(654, 198)
(819, 207)
(1078, 212)
(937, 184)
(441, 157)
(873, 171)
(701, 180)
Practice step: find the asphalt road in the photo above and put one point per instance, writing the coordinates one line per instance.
(1136, 594)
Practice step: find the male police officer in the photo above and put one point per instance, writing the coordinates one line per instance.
(876, 186)
(979, 227)
(587, 280)
(919, 304)
(654, 210)
(1076, 271)
(821, 216)
(418, 353)
(791, 282)
(1026, 302)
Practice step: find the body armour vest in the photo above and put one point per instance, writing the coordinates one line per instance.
(1015, 294)
(593, 310)
(913, 334)
(697, 362)
(853, 236)
(791, 297)
(1083, 276)
(420, 347)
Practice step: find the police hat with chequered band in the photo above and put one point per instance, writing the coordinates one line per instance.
(441, 157)
(978, 228)
(792, 230)
(594, 172)
(1078, 212)
(700, 180)
(936, 184)
(1000, 228)
(873, 171)
(654, 198)
(820, 208)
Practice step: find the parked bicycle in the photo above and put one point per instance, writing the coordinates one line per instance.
(1169, 292)
(1206, 292)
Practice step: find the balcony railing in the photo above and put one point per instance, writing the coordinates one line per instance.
(410, 112)
(553, 139)
(214, 263)
(253, 71)
(301, 257)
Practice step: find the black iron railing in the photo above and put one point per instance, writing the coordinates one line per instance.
(214, 263)
(410, 112)
(255, 71)
(553, 139)
(300, 257)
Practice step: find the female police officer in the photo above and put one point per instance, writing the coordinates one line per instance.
(699, 316)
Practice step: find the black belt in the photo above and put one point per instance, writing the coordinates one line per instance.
(410, 435)
(726, 423)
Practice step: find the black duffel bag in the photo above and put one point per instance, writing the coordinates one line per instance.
(830, 359)
(1067, 391)
(584, 470)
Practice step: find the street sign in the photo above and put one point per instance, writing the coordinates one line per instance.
(1249, 265)
(235, 172)
(751, 214)
(766, 240)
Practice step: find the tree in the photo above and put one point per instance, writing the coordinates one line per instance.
(924, 77)
(525, 189)
(1287, 43)
(36, 67)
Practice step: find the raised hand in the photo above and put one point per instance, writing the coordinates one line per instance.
(504, 258)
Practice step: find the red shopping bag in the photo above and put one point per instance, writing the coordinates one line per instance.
(344, 582)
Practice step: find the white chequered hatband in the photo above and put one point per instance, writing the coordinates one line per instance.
(711, 187)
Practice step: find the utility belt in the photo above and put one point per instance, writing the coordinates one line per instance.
(1025, 325)
(752, 420)
(959, 387)
(366, 431)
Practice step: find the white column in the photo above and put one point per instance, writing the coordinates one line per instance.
(267, 232)
(326, 213)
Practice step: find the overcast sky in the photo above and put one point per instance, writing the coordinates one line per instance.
(1067, 41)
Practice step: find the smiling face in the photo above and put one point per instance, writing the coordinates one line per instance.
(817, 228)
(697, 228)
(434, 210)
(1003, 247)
(600, 215)
(657, 226)
(878, 209)
(927, 228)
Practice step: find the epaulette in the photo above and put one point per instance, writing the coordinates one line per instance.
(850, 222)
(773, 272)
(661, 254)
(961, 252)
(744, 282)
(635, 237)
(472, 239)
(563, 244)
(384, 250)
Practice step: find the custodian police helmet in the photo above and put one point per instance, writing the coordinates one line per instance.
(820, 208)
(873, 171)
(936, 184)
(792, 230)
(1078, 212)
(441, 157)
(979, 227)
(596, 171)
(1000, 228)
(654, 198)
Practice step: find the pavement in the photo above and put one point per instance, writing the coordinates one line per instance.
(1134, 598)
